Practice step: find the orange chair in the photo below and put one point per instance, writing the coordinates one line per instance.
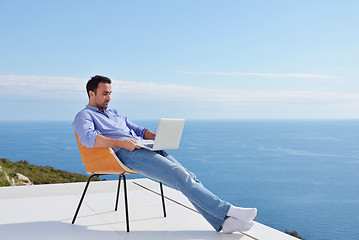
(104, 161)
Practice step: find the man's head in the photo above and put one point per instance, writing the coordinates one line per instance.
(92, 84)
(99, 91)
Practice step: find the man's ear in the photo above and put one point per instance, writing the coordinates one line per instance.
(92, 93)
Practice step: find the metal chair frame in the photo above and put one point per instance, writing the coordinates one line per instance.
(117, 198)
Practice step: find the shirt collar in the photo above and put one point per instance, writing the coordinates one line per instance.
(95, 108)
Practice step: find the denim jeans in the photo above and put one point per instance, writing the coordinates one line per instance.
(163, 167)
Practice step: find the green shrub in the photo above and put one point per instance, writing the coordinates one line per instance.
(3, 181)
(40, 174)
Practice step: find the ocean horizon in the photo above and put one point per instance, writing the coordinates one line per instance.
(302, 175)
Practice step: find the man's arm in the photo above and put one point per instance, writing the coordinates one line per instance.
(102, 141)
(149, 135)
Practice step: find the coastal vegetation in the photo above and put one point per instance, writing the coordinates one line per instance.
(294, 234)
(24, 173)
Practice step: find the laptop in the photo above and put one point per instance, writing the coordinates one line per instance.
(168, 135)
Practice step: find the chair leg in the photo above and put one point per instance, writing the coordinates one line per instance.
(163, 200)
(126, 205)
(118, 191)
(82, 197)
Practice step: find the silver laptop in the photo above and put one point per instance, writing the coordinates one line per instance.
(168, 135)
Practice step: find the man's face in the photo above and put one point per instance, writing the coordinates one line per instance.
(102, 97)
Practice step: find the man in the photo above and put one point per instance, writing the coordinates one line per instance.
(98, 126)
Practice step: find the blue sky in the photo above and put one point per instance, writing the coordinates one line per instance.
(191, 58)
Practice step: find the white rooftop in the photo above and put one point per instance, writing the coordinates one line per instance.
(46, 211)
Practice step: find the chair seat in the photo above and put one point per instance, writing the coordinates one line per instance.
(101, 160)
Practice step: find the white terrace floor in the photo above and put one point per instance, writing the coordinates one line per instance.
(46, 211)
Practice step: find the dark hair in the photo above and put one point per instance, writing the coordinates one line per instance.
(92, 84)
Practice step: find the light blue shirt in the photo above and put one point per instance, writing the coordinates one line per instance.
(90, 121)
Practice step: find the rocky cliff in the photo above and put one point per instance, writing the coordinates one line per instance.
(17, 180)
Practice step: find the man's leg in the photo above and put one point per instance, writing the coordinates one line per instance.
(237, 218)
(162, 167)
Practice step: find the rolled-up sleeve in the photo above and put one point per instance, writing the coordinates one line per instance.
(85, 129)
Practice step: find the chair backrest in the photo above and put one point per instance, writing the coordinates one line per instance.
(101, 160)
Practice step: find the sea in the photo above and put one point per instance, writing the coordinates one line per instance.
(301, 175)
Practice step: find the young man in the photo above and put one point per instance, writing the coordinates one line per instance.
(98, 126)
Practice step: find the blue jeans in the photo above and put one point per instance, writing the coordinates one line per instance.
(164, 168)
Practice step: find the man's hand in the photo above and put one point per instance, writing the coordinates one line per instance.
(130, 144)
(149, 135)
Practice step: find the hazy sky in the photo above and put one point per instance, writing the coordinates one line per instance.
(188, 58)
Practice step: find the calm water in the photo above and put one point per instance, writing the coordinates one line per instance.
(302, 175)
